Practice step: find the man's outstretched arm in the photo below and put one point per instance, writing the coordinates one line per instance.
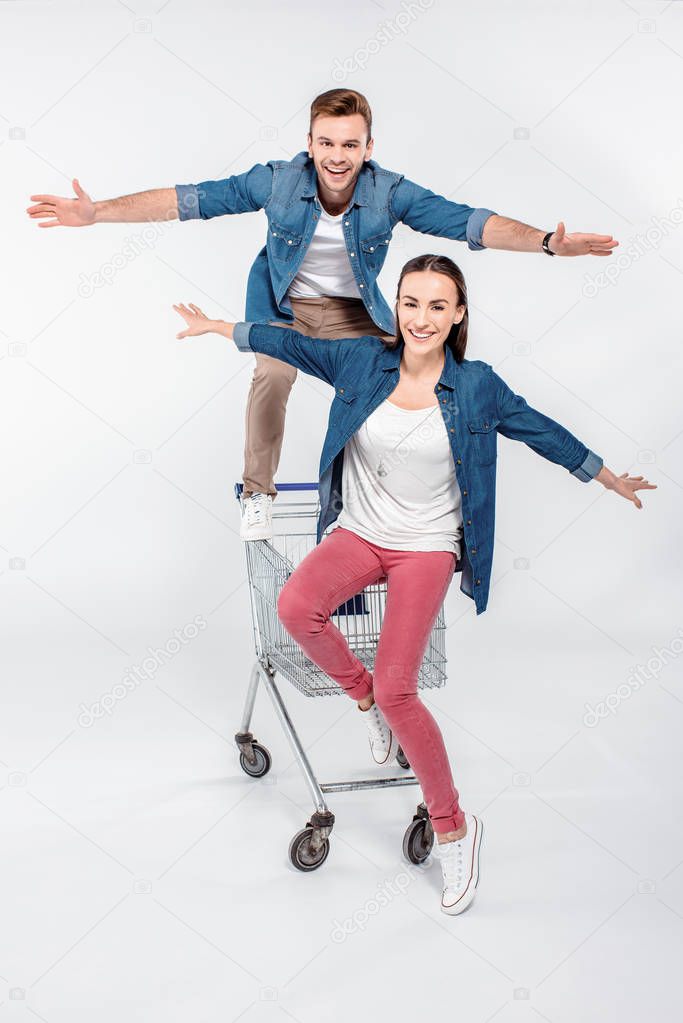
(56, 211)
(482, 228)
(514, 236)
(240, 193)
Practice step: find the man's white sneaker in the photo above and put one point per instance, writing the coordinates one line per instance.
(383, 742)
(460, 866)
(257, 517)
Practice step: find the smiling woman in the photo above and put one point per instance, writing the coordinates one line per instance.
(410, 494)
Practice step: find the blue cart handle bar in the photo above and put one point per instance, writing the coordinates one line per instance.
(239, 487)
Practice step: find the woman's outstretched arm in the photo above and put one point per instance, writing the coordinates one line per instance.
(318, 357)
(519, 421)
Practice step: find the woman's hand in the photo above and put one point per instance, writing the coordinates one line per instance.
(625, 485)
(197, 321)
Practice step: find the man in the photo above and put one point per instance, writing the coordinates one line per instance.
(330, 213)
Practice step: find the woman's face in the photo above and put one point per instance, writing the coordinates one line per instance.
(426, 309)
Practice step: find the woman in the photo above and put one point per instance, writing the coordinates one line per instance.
(411, 491)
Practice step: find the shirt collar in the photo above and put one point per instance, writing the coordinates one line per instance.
(391, 359)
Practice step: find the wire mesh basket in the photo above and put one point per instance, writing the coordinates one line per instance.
(359, 619)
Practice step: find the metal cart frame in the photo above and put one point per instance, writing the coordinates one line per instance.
(269, 564)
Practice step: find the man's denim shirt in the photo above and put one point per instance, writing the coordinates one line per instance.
(286, 191)
(476, 406)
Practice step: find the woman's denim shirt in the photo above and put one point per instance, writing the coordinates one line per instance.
(476, 405)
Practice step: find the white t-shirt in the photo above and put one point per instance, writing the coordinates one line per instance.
(325, 269)
(414, 502)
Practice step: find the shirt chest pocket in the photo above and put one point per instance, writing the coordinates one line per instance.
(343, 403)
(283, 242)
(375, 248)
(484, 437)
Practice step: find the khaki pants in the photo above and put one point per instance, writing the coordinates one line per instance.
(326, 318)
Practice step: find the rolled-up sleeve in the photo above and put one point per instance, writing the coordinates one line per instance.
(188, 202)
(475, 227)
(240, 335)
(589, 468)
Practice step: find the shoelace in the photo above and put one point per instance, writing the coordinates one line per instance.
(453, 865)
(256, 508)
(375, 724)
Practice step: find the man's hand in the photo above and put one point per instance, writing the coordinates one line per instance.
(625, 485)
(577, 244)
(78, 212)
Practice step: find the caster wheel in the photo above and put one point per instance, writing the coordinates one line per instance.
(418, 841)
(301, 854)
(402, 760)
(261, 765)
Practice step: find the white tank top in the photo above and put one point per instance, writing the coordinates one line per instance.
(325, 269)
(398, 484)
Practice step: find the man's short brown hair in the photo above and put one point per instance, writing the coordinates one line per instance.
(341, 103)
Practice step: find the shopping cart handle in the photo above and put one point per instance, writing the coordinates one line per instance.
(239, 487)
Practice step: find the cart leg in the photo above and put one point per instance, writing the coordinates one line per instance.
(322, 819)
(244, 737)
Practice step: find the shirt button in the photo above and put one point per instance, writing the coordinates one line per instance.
(315, 216)
(459, 461)
(353, 253)
(372, 248)
(341, 390)
(464, 493)
(289, 241)
(346, 222)
(452, 429)
(361, 285)
(274, 234)
(478, 582)
(473, 550)
(469, 522)
(443, 401)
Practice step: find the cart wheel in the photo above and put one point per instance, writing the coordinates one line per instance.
(402, 759)
(418, 841)
(301, 854)
(262, 764)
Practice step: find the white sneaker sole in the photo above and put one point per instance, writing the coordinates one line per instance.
(468, 895)
(256, 534)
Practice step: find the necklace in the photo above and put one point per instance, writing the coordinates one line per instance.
(381, 469)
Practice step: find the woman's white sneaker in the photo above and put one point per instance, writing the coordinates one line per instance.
(257, 517)
(383, 742)
(460, 866)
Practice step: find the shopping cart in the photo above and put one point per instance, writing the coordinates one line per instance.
(269, 564)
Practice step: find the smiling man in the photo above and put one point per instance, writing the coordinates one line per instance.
(331, 211)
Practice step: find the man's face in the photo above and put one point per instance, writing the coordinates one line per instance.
(339, 149)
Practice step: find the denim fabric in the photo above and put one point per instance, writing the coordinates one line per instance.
(286, 191)
(476, 405)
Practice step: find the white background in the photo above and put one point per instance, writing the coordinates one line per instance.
(144, 875)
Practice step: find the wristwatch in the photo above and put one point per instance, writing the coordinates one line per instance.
(544, 244)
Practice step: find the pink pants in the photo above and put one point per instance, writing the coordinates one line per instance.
(338, 568)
